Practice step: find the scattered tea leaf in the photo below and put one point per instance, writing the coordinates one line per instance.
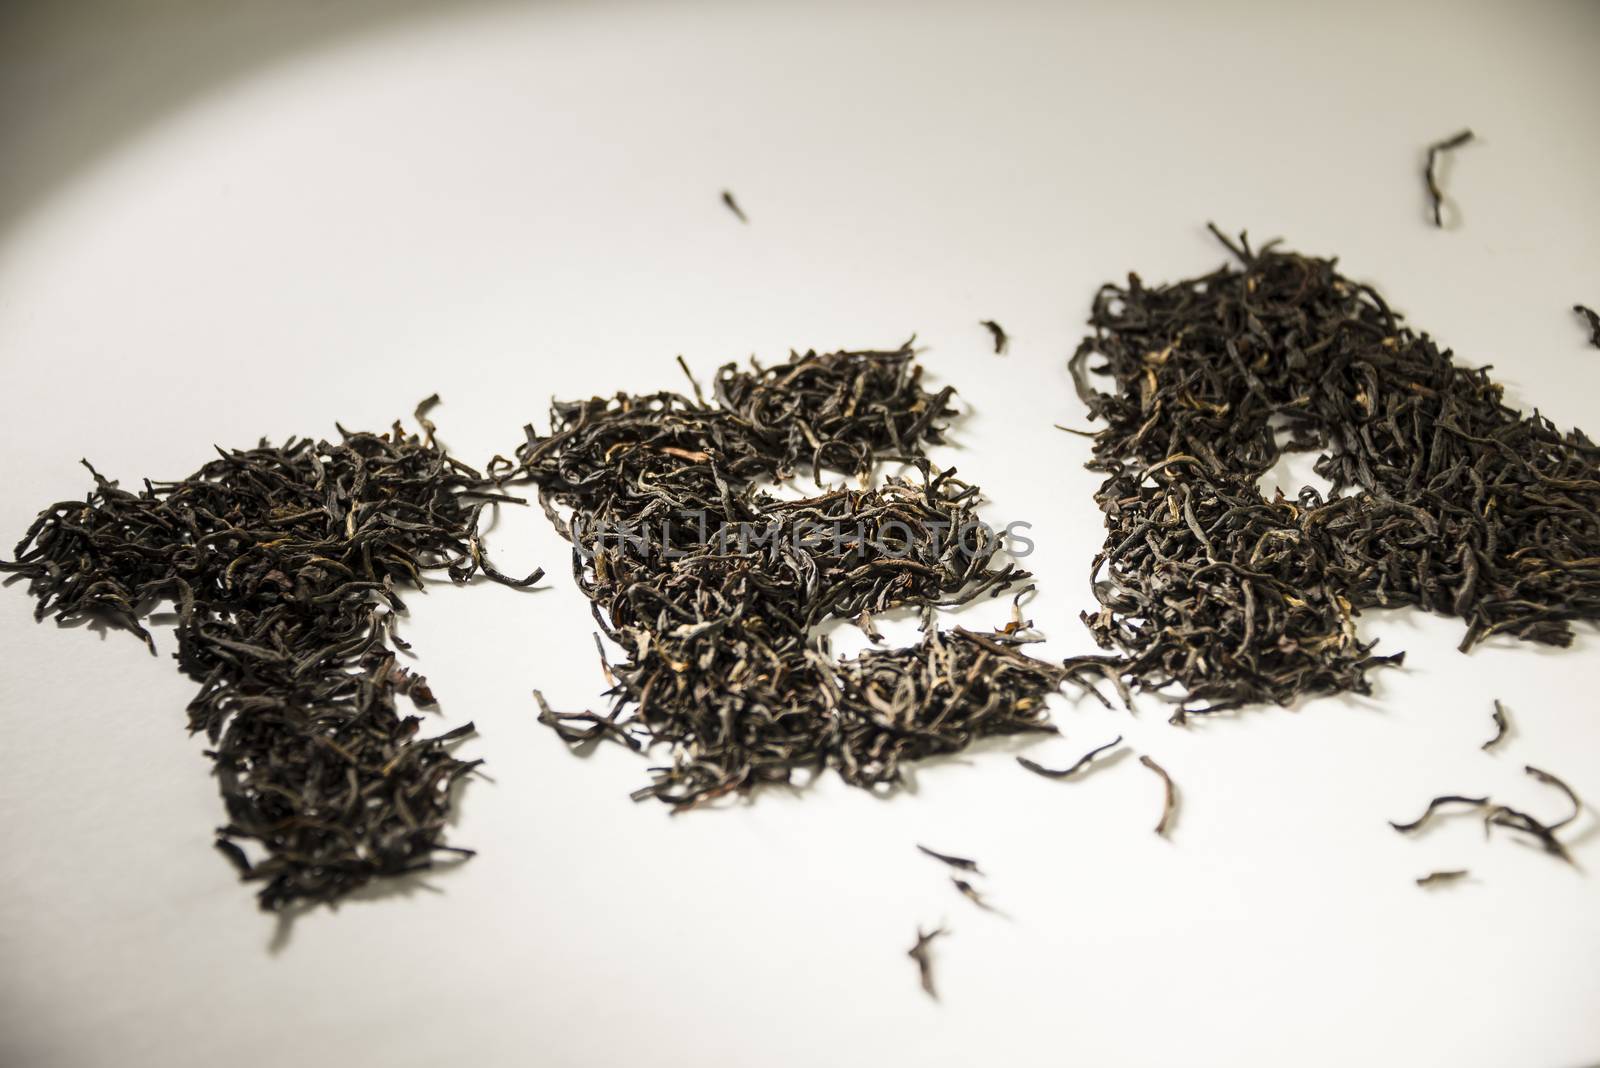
(1081, 763)
(1550, 780)
(1169, 803)
(1000, 339)
(1517, 820)
(970, 892)
(960, 863)
(1499, 727)
(1431, 178)
(919, 953)
(1593, 320)
(1448, 799)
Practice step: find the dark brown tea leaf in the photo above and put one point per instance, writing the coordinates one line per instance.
(997, 333)
(1169, 795)
(1441, 495)
(714, 587)
(284, 566)
(1438, 802)
(1429, 176)
(924, 959)
(1077, 766)
(1500, 725)
(959, 863)
(1592, 320)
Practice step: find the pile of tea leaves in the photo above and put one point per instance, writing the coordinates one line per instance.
(283, 565)
(1441, 496)
(714, 586)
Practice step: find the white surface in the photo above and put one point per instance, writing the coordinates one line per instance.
(294, 213)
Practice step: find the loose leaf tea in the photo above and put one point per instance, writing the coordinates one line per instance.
(1441, 496)
(1435, 197)
(971, 893)
(1436, 878)
(1017, 625)
(869, 628)
(920, 954)
(1500, 726)
(1496, 815)
(1000, 338)
(959, 863)
(714, 586)
(1169, 795)
(1436, 803)
(1590, 317)
(284, 565)
(1538, 830)
(1077, 766)
(577, 728)
(1550, 780)
(733, 206)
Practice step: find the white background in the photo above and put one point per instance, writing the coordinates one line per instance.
(218, 224)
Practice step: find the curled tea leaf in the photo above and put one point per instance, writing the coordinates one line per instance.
(1438, 802)
(1500, 725)
(999, 335)
(1169, 802)
(919, 953)
(1430, 178)
(1077, 766)
(1593, 321)
(960, 863)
